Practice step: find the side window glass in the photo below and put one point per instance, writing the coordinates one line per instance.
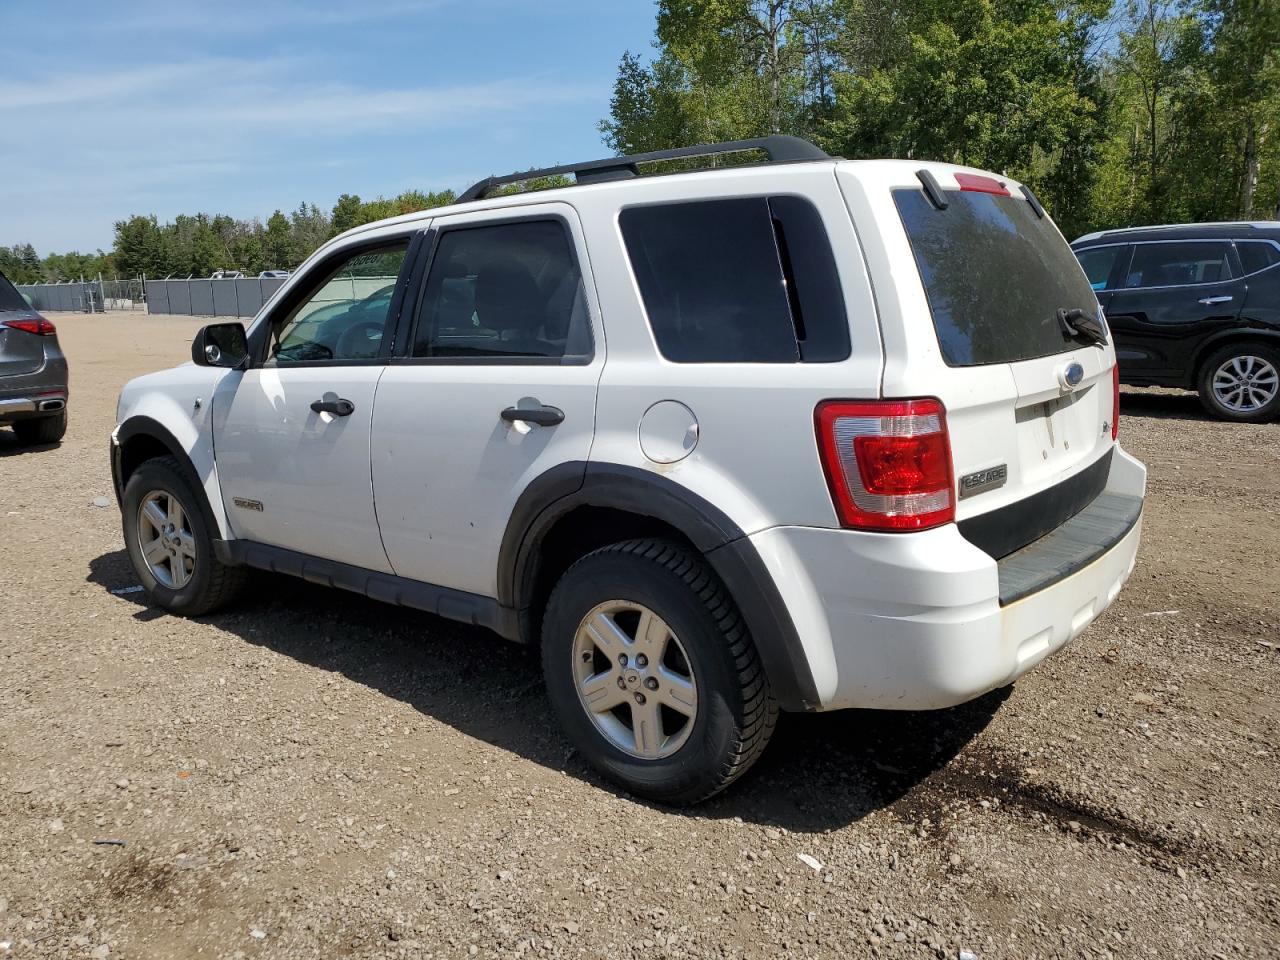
(345, 317)
(507, 290)
(1097, 264)
(711, 281)
(1178, 264)
(1257, 255)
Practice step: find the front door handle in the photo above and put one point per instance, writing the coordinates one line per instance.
(543, 416)
(1210, 301)
(339, 407)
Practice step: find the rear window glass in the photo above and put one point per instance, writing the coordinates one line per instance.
(1179, 264)
(750, 280)
(1257, 255)
(995, 275)
(10, 298)
(1098, 264)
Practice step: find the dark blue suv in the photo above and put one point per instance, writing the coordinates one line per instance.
(1195, 306)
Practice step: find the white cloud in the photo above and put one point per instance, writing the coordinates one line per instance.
(215, 133)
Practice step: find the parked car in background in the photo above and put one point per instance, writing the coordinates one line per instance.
(33, 371)
(808, 434)
(273, 275)
(1194, 306)
(226, 275)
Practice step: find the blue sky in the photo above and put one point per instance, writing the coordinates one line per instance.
(241, 107)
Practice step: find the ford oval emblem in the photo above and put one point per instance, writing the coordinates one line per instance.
(1071, 375)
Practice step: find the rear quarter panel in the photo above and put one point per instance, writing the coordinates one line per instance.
(756, 457)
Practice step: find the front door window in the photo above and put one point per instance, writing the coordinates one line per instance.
(345, 317)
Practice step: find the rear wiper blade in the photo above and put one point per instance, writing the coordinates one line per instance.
(1077, 323)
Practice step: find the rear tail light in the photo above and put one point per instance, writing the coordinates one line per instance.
(977, 183)
(888, 463)
(37, 325)
(1115, 401)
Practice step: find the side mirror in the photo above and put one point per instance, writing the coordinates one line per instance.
(220, 345)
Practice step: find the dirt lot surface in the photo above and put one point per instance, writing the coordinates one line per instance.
(317, 775)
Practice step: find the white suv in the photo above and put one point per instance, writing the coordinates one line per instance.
(804, 434)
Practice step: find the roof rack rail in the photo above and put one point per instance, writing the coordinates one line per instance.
(779, 149)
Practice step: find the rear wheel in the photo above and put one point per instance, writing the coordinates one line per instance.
(42, 430)
(169, 543)
(652, 672)
(1241, 382)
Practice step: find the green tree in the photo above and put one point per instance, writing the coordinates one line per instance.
(277, 243)
(20, 263)
(1242, 45)
(140, 248)
(346, 213)
(1002, 84)
(247, 254)
(646, 111)
(309, 227)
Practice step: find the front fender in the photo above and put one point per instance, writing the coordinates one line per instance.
(175, 407)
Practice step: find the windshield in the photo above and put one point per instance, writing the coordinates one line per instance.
(995, 274)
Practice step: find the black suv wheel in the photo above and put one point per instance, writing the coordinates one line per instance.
(1241, 382)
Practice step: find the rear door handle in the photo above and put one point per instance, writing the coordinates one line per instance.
(1210, 301)
(543, 416)
(339, 408)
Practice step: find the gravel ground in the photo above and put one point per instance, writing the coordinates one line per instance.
(317, 775)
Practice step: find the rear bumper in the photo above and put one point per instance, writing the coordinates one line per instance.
(32, 405)
(916, 621)
(22, 394)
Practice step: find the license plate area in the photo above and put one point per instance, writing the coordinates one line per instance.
(1056, 433)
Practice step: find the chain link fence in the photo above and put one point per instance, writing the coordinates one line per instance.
(73, 296)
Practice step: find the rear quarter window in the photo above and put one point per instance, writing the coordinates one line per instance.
(1257, 255)
(995, 275)
(747, 280)
(10, 298)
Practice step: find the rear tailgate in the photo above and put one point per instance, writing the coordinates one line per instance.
(970, 318)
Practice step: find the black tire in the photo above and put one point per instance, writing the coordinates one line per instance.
(212, 584)
(736, 713)
(42, 429)
(1214, 405)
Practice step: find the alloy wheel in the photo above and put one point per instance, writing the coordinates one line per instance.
(634, 679)
(1245, 384)
(165, 540)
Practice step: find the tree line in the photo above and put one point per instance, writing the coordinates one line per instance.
(1132, 112)
(1117, 112)
(200, 244)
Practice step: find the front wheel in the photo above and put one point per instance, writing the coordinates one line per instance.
(1241, 382)
(652, 672)
(169, 543)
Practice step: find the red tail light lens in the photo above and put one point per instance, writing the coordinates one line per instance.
(1115, 401)
(888, 463)
(38, 325)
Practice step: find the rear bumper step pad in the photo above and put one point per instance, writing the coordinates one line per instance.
(1069, 548)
